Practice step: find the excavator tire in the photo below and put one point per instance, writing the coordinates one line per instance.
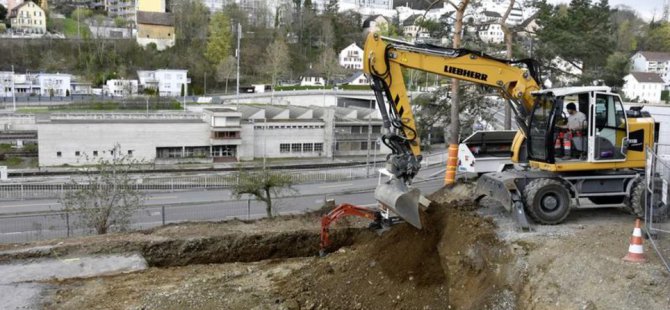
(547, 201)
(638, 200)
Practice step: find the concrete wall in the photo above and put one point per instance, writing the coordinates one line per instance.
(141, 138)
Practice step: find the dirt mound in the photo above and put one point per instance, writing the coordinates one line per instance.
(455, 260)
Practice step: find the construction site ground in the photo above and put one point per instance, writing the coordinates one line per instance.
(468, 256)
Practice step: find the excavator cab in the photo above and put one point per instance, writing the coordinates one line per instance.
(553, 139)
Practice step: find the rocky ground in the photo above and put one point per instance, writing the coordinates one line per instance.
(468, 256)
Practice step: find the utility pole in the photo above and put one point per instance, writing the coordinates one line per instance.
(204, 92)
(238, 54)
(13, 90)
(265, 136)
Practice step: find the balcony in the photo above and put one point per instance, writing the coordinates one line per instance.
(225, 138)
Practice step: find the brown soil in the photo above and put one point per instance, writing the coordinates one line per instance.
(455, 260)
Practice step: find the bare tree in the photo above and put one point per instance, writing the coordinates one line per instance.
(278, 59)
(105, 198)
(225, 70)
(263, 185)
(328, 64)
(508, 46)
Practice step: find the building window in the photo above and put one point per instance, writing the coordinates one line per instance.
(284, 148)
(95, 153)
(59, 154)
(77, 153)
(318, 147)
(130, 152)
(307, 147)
(364, 146)
(296, 147)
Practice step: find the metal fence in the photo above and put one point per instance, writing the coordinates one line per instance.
(56, 189)
(16, 228)
(657, 221)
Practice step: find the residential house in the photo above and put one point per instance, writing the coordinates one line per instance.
(120, 87)
(491, 33)
(312, 79)
(121, 8)
(374, 23)
(357, 78)
(656, 62)
(54, 85)
(412, 29)
(28, 18)
(351, 57)
(643, 87)
(6, 83)
(155, 27)
(168, 82)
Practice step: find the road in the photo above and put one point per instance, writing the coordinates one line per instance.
(205, 205)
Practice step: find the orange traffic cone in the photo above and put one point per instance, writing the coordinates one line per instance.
(636, 250)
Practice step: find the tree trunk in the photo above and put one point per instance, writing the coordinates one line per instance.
(508, 45)
(226, 86)
(268, 203)
(452, 155)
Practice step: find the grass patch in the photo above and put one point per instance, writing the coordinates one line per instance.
(70, 28)
(32, 110)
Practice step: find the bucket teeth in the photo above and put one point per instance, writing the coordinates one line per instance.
(401, 200)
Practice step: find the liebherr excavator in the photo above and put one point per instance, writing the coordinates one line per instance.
(544, 186)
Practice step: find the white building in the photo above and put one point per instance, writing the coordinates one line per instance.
(57, 85)
(412, 29)
(351, 57)
(217, 135)
(118, 87)
(6, 83)
(358, 78)
(83, 139)
(491, 33)
(374, 23)
(643, 87)
(312, 80)
(120, 8)
(656, 62)
(168, 82)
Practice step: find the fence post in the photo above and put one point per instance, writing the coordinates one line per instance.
(22, 191)
(248, 208)
(171, 186)
(67, 223)
(163, 215)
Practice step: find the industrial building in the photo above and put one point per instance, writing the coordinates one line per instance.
(215, 134)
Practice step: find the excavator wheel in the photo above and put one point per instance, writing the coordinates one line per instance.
(547, 201)
(638, 201)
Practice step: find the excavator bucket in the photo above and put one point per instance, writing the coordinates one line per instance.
(401, 200)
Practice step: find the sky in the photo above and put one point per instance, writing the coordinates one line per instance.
(646, 8)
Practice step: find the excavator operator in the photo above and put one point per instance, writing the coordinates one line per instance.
(575, 127)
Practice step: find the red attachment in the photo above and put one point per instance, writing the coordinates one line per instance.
(339, 212)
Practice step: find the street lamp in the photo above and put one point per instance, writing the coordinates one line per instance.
(238, 54)
(13, 90)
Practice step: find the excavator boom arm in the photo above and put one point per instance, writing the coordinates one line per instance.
(384, 59)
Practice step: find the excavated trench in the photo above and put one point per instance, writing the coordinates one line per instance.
(241, 247)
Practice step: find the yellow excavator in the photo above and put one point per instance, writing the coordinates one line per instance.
(609, 170)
